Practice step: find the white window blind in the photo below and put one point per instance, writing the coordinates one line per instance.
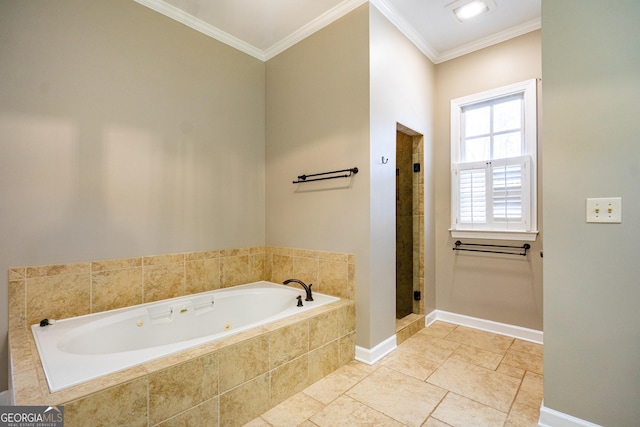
(493, 156)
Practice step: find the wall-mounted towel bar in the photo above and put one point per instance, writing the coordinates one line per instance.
(493, 249)
(304, 178)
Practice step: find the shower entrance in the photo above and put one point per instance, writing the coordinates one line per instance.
(409, 226)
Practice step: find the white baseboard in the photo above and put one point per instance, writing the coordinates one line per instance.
(486, 325)
(371, 356)
(553, 418)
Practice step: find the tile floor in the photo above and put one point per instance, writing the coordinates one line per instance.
(445, 375)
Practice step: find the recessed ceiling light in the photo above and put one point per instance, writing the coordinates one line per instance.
(467, 9)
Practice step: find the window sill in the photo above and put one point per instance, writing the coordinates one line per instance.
(523, 236)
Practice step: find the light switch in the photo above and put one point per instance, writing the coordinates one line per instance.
(605, 210)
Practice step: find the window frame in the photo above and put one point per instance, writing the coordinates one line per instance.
(529, 231)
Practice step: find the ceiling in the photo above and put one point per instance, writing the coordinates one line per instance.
(264, 28)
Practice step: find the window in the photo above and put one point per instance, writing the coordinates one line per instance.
(493, 156)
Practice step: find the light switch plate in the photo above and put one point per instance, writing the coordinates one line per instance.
(604, 210)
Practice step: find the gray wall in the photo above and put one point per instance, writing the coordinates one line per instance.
(501, 288)
(122, 133)
(591, 65)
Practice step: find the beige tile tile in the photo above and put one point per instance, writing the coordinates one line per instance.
(523, 416)
(409, 364)
(58, 297)
(58, 270)
(306, 269)
(439, 329)
(243, 361)
(531, 390)
(458, 411)
(477, 356)
(526, 361)
(203, 415)
(511, 371)
(281, 267)
(474, 382)
(163, 259)
(333, 385)
(258, 267)
(17, 304)
(347, 348)
(347, 319)
(405, 399)
(235, 252)
(258, 422)
(234, 270)
(162, 281)
(287, 343)
(125, 404)
(17, 273)
(202, 275)
(432, 422)
(345, 411)
(527, 347)
(194, 256)
(481, 339)
(111, 289)
(115, 264)
(323, 361)
(245, 402)
(323, 329)
(293, 411)
(430, 348)
(334, 278)
(289, 379)
(181, 387)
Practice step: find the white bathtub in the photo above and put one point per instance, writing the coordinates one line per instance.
(83, 348)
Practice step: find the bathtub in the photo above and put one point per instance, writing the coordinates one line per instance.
(79, 349)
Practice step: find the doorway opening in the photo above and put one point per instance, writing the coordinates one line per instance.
(409, 229)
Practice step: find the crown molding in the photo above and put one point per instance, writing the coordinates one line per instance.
(405, 28)
(201, 26)
(496, 38)
(317, 24)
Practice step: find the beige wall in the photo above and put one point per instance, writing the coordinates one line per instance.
(591, 64)
(505, 289)
(123, 133)
(402, 91)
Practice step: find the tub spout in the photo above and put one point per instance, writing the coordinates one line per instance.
(307, 288)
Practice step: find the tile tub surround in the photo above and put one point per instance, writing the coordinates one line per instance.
(226, 382)
(61, 291)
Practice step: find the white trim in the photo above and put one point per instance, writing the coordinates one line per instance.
(552, 418)
(519, 332)
(500, 37)
(203, 27)
(405, 28)
(317, 24)
(524, 236)
(371, 356)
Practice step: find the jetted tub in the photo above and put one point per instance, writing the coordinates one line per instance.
(83, 348)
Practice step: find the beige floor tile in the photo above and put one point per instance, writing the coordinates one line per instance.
(407, 363)
(523, 416)
(438, 329)
(333, 385)
(345, 411)
(481, 339)
(477, 356)
(404, 398)
(526, 361)
(432, 422)
(425, 347)
(474, 382)
(527, 347)
(257, 422)
(293, 411)
(458, 411)
(531, 389)
(511, 371)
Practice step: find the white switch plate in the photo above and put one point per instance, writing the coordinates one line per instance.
(606, 210)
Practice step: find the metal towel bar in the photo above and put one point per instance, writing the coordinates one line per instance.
(493, 249)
